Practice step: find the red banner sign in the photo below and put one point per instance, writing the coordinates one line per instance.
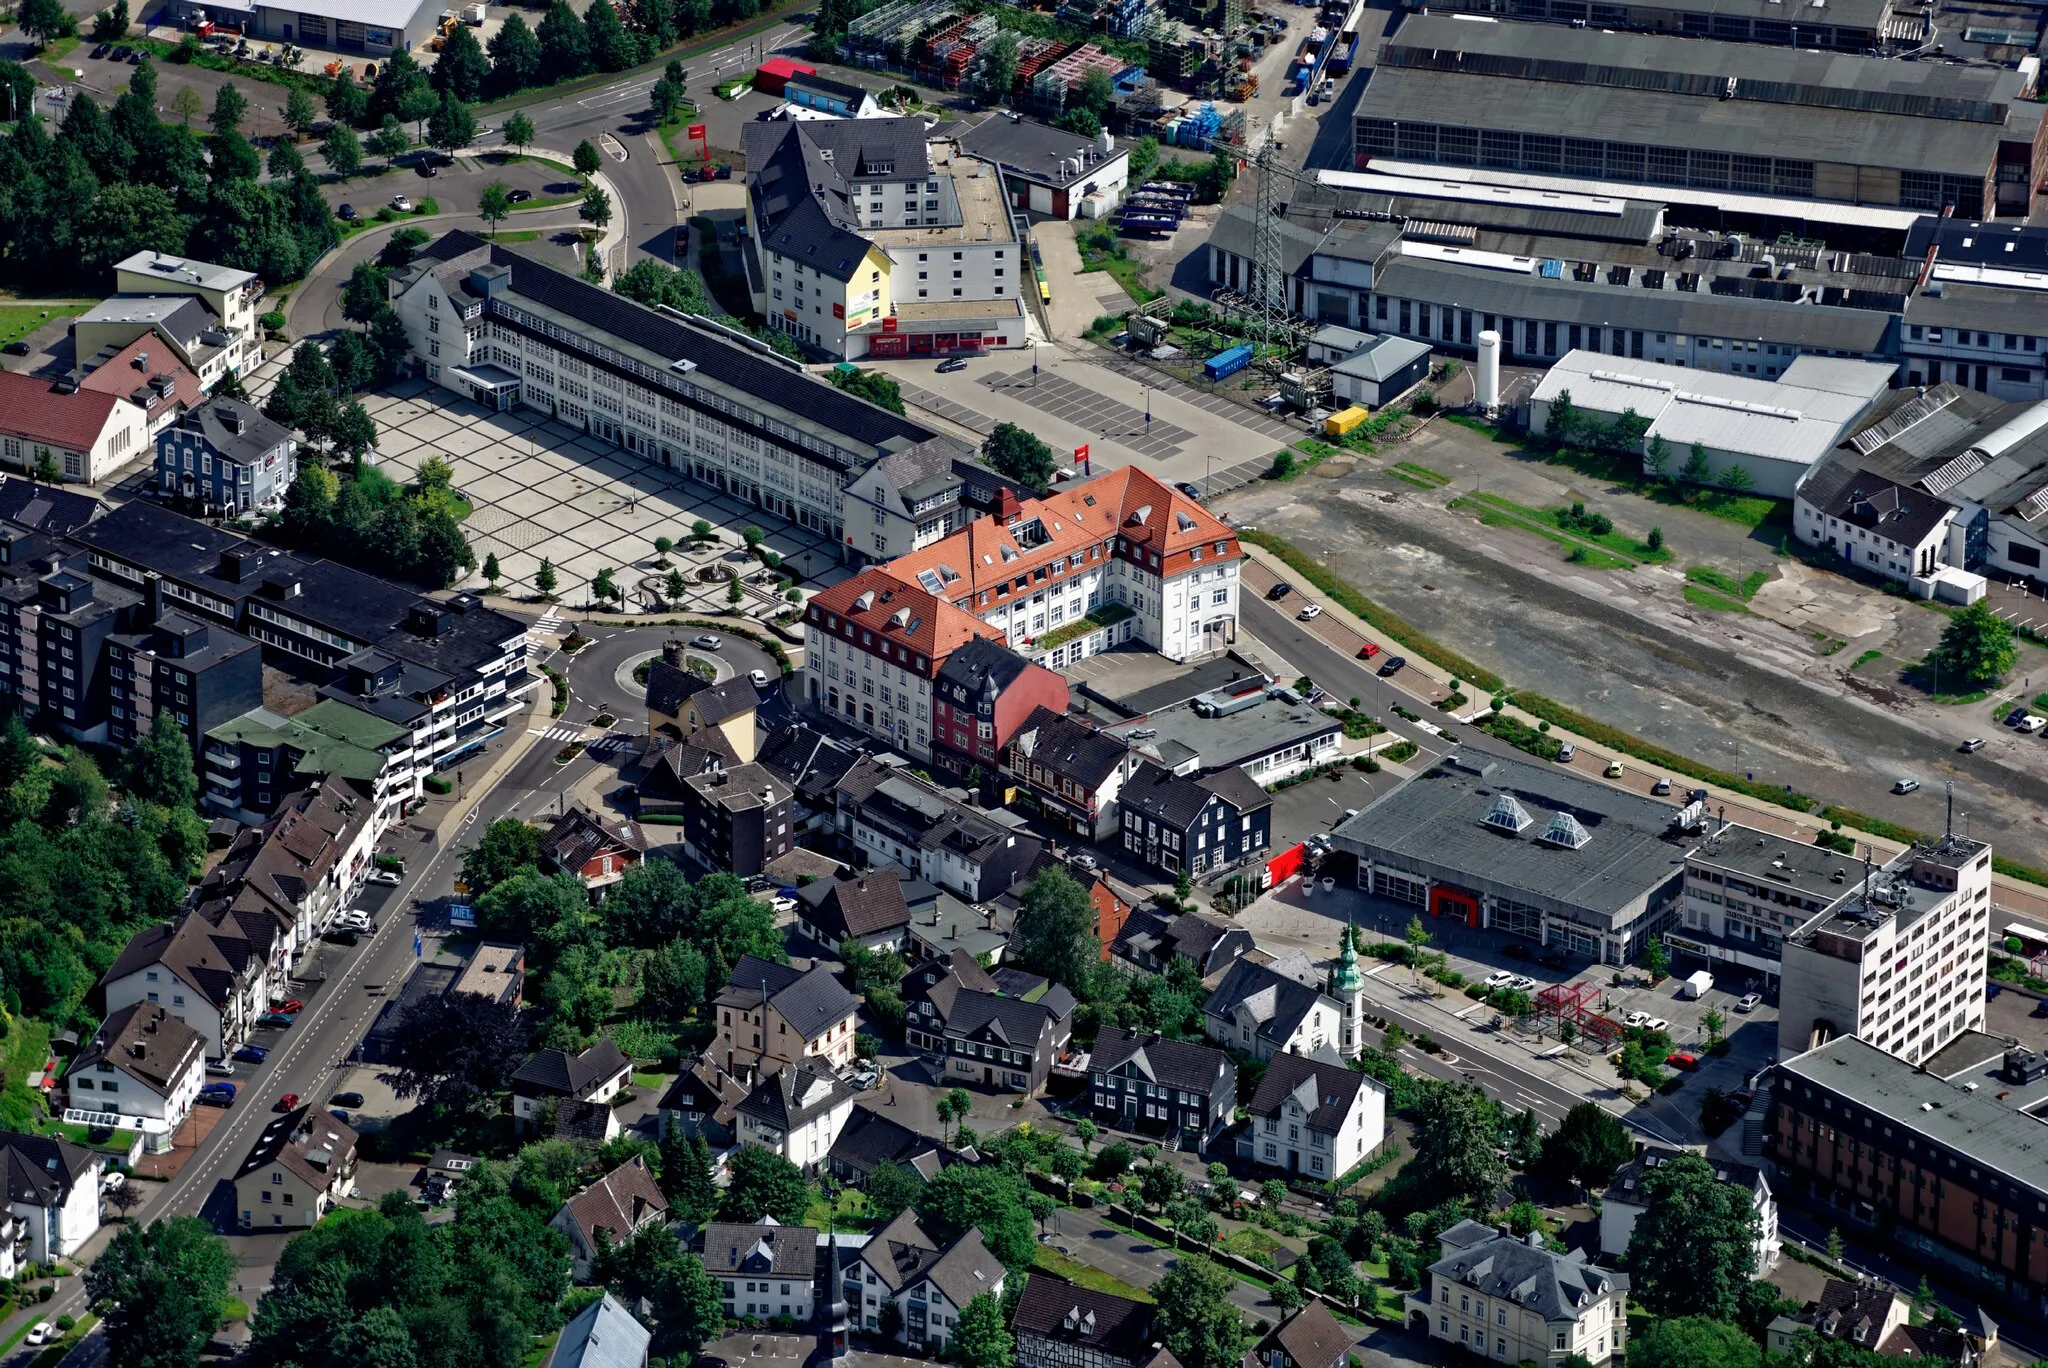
(1081, 452)
(696, 132)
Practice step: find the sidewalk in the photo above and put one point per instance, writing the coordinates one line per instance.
(2011, 895)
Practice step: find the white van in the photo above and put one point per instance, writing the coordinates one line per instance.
(1697, 984)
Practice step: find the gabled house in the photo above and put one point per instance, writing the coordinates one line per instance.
(892, 817)
(704, 1100)
(53, 1190)
(595, 849)
(1625, 1201)
(929, 1286)
(870, 1140)
(144, 1067)
(929, 992)
(1194, 823)
(1863, 1314)
(212, 973)
(797, 1112)
(611, 1208)
(982, 695)
(1515, 1301)
(1006, 1043)
(1060, 1325)
(1069, 772)
(763, 1271)
(812, 764)
(1310, 1338)
(774, 1014)
(1152, 940)
(601, 1335)
(1262, 1011)
(300, 1166)
(1154, 1086)
(684, 705)
(1318, 1119)
(552, 1077)
(868, 909)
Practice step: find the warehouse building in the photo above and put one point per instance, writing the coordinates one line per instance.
(372, 27)
(1774, 430)
(1048, 171)
(1545, 104)
(1981, 317)
(1528, 849)
(1842, 25)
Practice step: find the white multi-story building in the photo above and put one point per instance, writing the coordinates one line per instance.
(763, 1271)
(142, 1071)
(53, 1191)
(876, 646)
(1897, 959)
(1625, 1202)
(1315, 1119)
(1509, 1299)
(717, 405)
(796, 1112)
(929, 1286)
(1121, 557)
(1269, 1010)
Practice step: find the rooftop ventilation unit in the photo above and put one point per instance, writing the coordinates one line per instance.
(1507, 815)
(1564, 830)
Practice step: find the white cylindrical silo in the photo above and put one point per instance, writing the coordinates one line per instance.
(1488, 381)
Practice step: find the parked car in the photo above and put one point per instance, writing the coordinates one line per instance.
(112, 1179)
(1393, 665)
(252, 1054)
(1661, 787)
(1192, 491)
(383, 876)
(1682, 1059)
(1747, 1002)
(519, 196)
(40, 1333)
(704, 641)
(288, 1005)
(1567, 753)
(1499, 978)
(346, 1099)
(1613, 770)
(1655, 1023)
(2016, 716)
(1280, 590)
(1698, 795)
(952, 364)
(17, 349)
(758, 678)
(402, 203)
(346, 213)
(430, 168)
(1310, 612)
(222, 1068)
(1905, 785)
(1369, 650)
(218, 1095)
(276, 1020)
(101, 51)
(1971, 746)
(1635, 1018)
(2033, 724)
(288, 1102)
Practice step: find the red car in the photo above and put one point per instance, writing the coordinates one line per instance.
(1369, 650)
(289, 1102)
(1682, 1059)
(288, 1005)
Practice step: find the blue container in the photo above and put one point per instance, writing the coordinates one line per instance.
(1227, 363)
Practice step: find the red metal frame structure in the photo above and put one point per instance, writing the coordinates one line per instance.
(1577, 1003)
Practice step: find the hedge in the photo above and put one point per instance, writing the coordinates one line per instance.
(1401, 630)
(1558, 715)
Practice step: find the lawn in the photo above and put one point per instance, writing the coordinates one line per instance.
(1494, 511)
(1085, 1275)
(1717, 591)
(1625, 471)
(1419, 474)
(1102, 250)
(849, 1211)
(519, 235)
(1866, 658)
(19, 320)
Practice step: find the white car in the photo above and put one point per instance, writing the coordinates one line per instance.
(758, 678)
(1634, 1019)
(40, 1333)
(383, 876)
(1499, 978)
(110, 1181)
(401, 203)
(1521, 983)
(1747, 1002)
(1656, 1024)
(783, 905)
(1310, 611)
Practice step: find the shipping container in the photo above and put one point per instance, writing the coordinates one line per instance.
(1344, 56)
(1228, 363)
(1338, 424)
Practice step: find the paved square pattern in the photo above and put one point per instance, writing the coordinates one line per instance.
(1084, 408)
(539, 489)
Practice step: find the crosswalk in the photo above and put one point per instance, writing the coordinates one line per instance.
(570, 731)
(538, 637)
(560, 732)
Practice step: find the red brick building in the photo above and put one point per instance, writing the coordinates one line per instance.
(981, 696)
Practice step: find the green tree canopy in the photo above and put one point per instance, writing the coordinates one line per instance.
(1202, 1326)
(1975, 651)
(1692, 1342)
(1587, 1146)
(765, 1184)
(966, 1197)
(159, 1291)
(1694, 1246)
(1015, 452)
(1054, 934)
(1457, 1137)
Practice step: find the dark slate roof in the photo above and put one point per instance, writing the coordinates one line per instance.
(1236, 788)
(567, 1075)
(1278, 1002)
(810, 1000)
(669, 685)
(41, 1169)
(45, 508)
(1312, 1338)
(786, 1251)
(1327, 1090)
(1173, 800)
(1557, 1287)
(1178, 1064)
(861, 905)
(966, 1269)
(1069, 747)
(586, 1121)
(706, 1088)
(236, 430)
(825, 85)
(809, 761)
(578, 836)
(900, 1252)
(1084, 1319)
(1880, 506)
(1649, 1158)
(983, 660)
(795, 1095)
(1021, 1024)
(728, 363)
(802, 178)
(1036, 151)
(870, 1139)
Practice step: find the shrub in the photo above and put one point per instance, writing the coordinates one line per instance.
(434, 783)
(273, 321)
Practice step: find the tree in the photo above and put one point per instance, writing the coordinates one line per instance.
(111, 25)
(966, 1197)
(1692, 1342)
(1975, 651)
(765, 1184)
(451, 127)
(564, 44)
(495, 206)
(1587, 1146)
(981, 1339)
(1456, 1145)
(365, 293)
(676, 586)
(1736, 478)
(596, 208)
(492, 571)
(544, 578)
(299, 114)
(1080, 122)
(519, 131)
(686, 1178)
(1015, 452)
(1084, 1131)
(230, 107)
(1158, 1185)
(586, 158)
(666, 100)
(515, 65)
(602, 588)
(462, 69)
(891, 1189)
(389, 141)
(1657, 456)
(1694, 1245)
(612, 47)
(44, 20)
(159, 1291)
(1054, 933)
(995, 67)
(284, 161)
(1712, 1021)
(1655, 960)
(45, 470)
(454, 1052)
(953, 1105)
(1202, 1327)
(158, 767)
(686, 1304)
(1697, 467)
(507, 847)
(1416, 935)
(343, 152)
(234, 159)
(188, 105)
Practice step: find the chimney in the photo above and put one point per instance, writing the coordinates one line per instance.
(1007, 506)
(672, 653)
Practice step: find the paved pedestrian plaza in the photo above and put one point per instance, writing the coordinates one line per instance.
(539, 488)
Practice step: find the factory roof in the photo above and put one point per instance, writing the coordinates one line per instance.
(1236, 738)
(175, 270)
(1037, 151)
(1524, 829)
(1382, 358)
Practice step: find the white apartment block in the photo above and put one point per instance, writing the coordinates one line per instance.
(877, 644)
(1315, 1119)
(1511, 1300)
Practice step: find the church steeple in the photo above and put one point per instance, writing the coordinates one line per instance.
(1347, 985)
(839, 1314)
